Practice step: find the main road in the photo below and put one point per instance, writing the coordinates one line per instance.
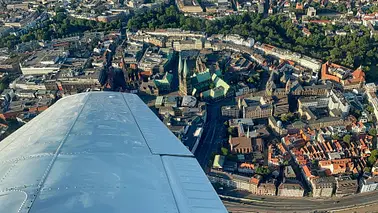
(277, 204)
(211, 139)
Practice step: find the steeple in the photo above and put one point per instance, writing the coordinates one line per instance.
(186, 71)
(180, 64)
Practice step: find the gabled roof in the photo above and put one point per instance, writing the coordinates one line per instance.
(241, 142)
(307, 171)
(218, 161)
(166, 80)
(201, 77)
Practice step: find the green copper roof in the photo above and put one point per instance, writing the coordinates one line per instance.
(167, 80)
(194, 91)
(218, 72)
(203, 76)
(220, 83)
(218, 162)
(206, 94)
(221, 88)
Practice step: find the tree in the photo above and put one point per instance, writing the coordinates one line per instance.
(373, 131)
(233, 131)
(2, 86)
(347, 138)
(278, 30)
(356, 113)
(251, 80)
(60, 17)
(262, 170)
(372, 158)
(286, 117)
(224, 151)
(370, 109)
(232, 157)
(335, 137)
(367, 169)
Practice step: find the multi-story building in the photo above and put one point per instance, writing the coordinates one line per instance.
(281, 106)
(290, 190)
(29, 83)
(236, 39)
(345, 186)
(180, 45)
(285, 54)
(241, 145)
(254, 110)
(327, 121)
(44, 62)
(368, 184)
(230, 111)
(189, 6)
(242, 89)
(155, 60)
(276, 126)
(372, 97)
(346, 77)
(252, 185)
(355, 81)
(175, 33)
(266, 189)
(337, 102)
(334, 72)
(313, 101)
(320, 90)
(323, 186)
(155, 40)
(241, 121)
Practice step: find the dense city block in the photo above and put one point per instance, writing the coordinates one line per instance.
(274, 98)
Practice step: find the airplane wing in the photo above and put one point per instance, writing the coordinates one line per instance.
(101, 152)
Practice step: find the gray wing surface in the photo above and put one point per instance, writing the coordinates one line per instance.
(101, 152)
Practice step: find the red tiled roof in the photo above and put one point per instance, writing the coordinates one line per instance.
(247, 165)
(324, 163)
(307, 171)
(255, 180)
(325, 75)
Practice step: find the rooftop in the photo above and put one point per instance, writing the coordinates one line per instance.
(45, 58)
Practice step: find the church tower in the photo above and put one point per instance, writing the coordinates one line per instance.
(183, 75)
